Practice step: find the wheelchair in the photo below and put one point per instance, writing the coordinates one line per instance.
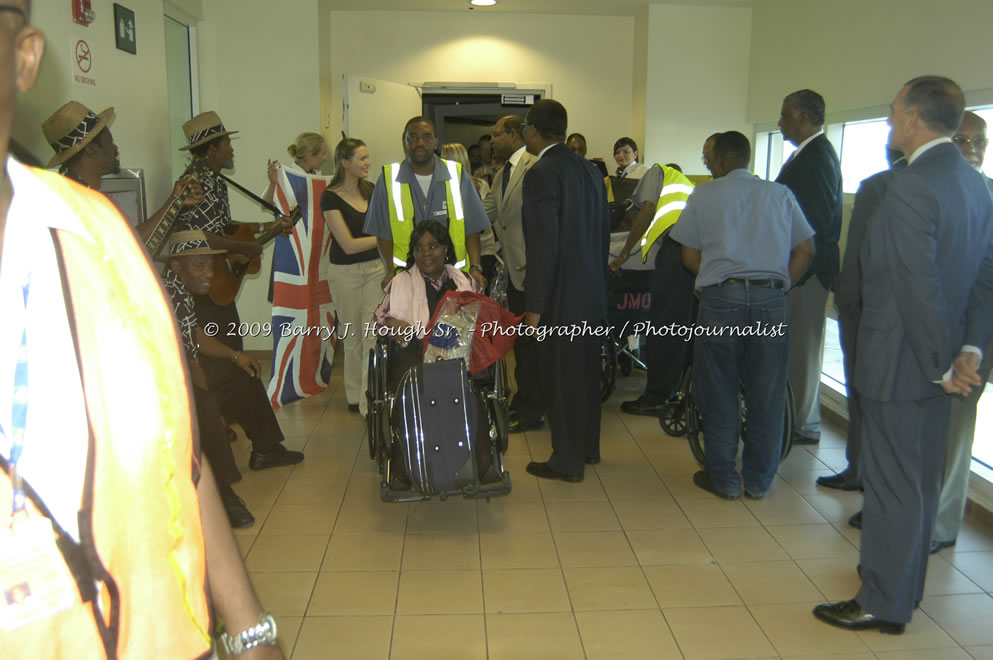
(628, 304)
(433, 428)
(692, 422)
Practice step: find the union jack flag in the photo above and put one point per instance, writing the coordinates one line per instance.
(303, 314)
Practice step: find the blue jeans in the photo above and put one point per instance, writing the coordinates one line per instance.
(741, 345)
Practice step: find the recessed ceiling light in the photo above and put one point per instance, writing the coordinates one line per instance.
(483, 3)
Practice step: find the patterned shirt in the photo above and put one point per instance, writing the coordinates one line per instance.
(213, 214)
(184, 311)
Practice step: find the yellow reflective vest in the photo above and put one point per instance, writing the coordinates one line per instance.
(401, 206)
(676, 189)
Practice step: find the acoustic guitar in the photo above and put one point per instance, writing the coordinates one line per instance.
(228, 273)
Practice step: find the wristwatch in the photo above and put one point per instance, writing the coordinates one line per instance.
(261, 634)
(477, 268)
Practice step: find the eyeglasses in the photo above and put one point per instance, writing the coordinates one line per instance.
(13, 10)
(979, 142)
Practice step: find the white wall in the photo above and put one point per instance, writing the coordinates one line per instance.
(857, 54)
(135, 85)
(586, 59)
(697, 81)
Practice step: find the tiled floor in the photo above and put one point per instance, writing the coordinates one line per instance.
(635, 562)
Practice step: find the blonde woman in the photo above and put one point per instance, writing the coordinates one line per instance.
(487, 242)
(356, 271)
(308, 151)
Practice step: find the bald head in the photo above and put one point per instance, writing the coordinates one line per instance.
(971, 139)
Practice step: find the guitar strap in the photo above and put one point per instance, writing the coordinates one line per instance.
(266, 205)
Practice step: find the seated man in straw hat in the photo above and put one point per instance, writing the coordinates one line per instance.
(242, 398)
(85, 151)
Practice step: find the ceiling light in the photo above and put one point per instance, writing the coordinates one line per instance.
(483, 3)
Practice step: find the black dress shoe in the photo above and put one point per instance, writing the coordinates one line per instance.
(522, 424)
(238, 514)
(641, 406)
(856, 520)
(850, 615)
(546, 471)
(838, 481)
(593, 460)
(702, 480)
(278, 456)
(938, 546)
(353, 407)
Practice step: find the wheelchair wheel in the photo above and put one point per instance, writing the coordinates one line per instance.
(788, 422)
(377, 416)
(608, 367)
(498, 404)
(625, 364)
(694, 429)
(673, 416)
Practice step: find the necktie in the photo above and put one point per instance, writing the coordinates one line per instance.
(506, 175)
(620, 172)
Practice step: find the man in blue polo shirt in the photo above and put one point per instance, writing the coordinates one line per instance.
(748, 241)
(421, 188)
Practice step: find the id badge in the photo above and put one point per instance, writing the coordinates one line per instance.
(34, 582)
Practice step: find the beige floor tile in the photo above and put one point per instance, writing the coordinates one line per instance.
(440, 592)
(343, 593)
(668, 546)
(299, 519)
(499, 550)
(434, 553)
(581, 516)
(836, 506)
(980, 652)
(312, 491)
(284, 594)
(812, 541)
(510, 515)
(770, 582)
(366, 637)
(783, 507)
(287, 629)
(835, 577)
(974, 536)
(691, 585)
(363, 552)
(680, 484)
(710, 511)
(977, 566)
(646, 488)
(615, 588)
(737, 544)
(656, 513)
(545, 635)
(806, 483)
(286, 553)
(832, 656)
(245, 542)
(672, 460)
(710, 633)
(627, 635)
(793, 630)
(447, 637)
(944, 579)
(524, 487)
(525, 590)
(371, 518)
(921, 633)
(925, 654)
(588, 490)
(594, 549)
(966, 618)
(455, 516)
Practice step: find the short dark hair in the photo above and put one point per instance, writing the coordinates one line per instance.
(625, 142)
(418, 120)
(733, 147)
(939, 102)
(514, 123)
(440, 233)
(487, 137)
(549, 118)
(810, 102)
(578, 136)
(674, 166)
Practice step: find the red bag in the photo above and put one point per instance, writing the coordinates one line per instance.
(495, 332)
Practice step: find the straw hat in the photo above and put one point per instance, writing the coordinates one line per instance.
(203, 128)
(72, 127)
(188, 244)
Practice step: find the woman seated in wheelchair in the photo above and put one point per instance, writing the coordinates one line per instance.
(413, 294)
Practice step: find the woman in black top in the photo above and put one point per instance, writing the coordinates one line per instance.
(356, 272)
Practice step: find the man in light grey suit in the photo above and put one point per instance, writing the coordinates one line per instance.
(927, 307)
(503, 206)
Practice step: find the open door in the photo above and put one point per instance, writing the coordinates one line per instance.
(375, 112)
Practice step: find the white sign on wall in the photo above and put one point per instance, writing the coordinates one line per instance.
(83, 70)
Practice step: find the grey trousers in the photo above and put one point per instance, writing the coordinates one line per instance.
(805, 308)
(904, 460)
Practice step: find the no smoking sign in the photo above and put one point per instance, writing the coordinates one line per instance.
(82, 63)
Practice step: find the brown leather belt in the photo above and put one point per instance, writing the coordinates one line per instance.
(765, 284)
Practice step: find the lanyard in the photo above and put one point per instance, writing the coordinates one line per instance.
(19, 410)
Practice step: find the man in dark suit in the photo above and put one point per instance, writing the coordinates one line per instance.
(566, 230)
(927, 307)
(848, 298)
(813, 173)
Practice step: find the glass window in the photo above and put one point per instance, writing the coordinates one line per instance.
(863, 152)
